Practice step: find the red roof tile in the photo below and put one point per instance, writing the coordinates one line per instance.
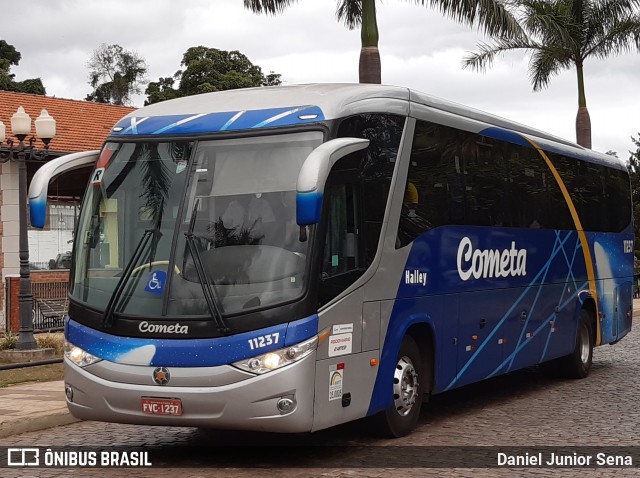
(80, 125)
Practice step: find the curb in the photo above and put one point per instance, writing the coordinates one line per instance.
(37, 421)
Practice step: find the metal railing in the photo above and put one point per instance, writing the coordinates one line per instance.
(50, 304)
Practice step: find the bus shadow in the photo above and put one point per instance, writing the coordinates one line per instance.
(505, 388)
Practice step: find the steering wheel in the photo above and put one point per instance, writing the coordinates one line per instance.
(153, 264)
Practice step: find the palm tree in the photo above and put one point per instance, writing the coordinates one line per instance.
(490, 15)
(564, 33)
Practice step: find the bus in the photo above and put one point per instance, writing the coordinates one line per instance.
(288, 259)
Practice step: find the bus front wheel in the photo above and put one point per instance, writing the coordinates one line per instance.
(409, 379)
(578, 363)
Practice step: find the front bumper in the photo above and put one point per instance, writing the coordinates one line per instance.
(248, 404)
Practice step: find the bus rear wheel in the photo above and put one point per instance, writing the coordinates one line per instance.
(578, 363)
(401, 417)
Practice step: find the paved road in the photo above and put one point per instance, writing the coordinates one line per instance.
(522, 409)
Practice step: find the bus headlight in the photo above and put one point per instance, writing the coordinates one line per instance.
(278, 358)
(78, 356)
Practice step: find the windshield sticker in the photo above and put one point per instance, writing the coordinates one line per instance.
(105, 155)
(97, 176)
(156, 281)
(181, 166)
(335, 381)
(342, 328)
(340, 344)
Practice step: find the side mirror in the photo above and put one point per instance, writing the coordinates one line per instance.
(48, 172)
(314, 173)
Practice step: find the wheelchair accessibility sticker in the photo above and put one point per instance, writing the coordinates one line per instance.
(156, 282)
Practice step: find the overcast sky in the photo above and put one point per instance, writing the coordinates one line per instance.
(420, 49)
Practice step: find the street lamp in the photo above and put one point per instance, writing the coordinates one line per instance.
(45, 130)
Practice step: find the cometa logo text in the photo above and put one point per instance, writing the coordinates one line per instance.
(489, 263)
(163, 329)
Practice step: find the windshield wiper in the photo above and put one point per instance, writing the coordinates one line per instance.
(207, 288)
(107, 318)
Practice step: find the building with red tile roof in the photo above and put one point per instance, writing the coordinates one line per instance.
(80, 126)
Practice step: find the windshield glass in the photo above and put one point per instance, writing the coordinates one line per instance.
(236, 202)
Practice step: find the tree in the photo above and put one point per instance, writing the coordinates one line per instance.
(115, 74)
(10, 56)
(561, 34)
(634, 172)
(207, 70)
(161, 90)
(490, 15)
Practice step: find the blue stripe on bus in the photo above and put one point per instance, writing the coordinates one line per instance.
(451, 307)
(505, 135)
(214, 122)
(188, 352)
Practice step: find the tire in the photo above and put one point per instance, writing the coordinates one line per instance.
(409, 381)
(578, 363)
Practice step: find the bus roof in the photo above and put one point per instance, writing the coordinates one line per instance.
(285, 105)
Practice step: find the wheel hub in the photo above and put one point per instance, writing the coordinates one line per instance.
(584, 345)
(405, 386)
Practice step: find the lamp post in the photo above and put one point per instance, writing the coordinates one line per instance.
(45, 130)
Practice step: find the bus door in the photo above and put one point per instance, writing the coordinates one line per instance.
(623, 308)
(341, 260)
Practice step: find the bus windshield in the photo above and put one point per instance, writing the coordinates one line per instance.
(166, 225)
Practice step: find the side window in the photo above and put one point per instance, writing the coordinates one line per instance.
(434, 193)
(341, 238)
(601, 195)
(355, 200)
(342, 258)
(375, 167)
(460, 178)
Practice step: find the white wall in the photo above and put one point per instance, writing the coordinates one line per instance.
(45, 245)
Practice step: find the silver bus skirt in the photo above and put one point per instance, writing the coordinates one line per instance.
(220, 397)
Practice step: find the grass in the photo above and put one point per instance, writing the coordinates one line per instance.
(51, 341)
(41, 373)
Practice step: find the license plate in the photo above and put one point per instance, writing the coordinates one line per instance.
(161, 406)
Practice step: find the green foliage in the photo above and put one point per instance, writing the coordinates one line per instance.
(634, 171)
(115, 74)
(209, 69)
(8, 341)
(161, 90)
(561, 34)
(9, 53)
(10, 56)
(491, 16)
(33, 86)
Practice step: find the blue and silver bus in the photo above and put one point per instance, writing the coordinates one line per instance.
(291, 258)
